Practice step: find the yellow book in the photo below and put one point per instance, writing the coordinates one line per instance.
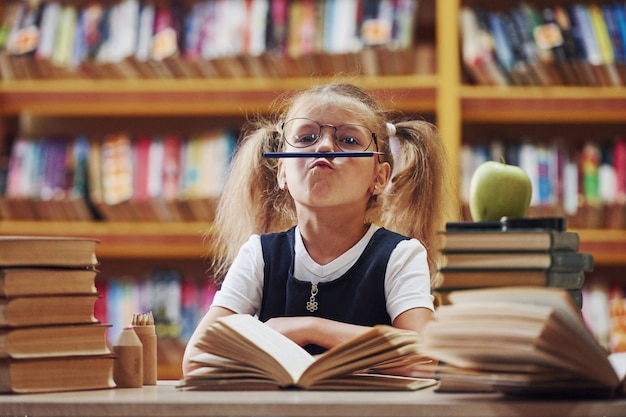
(602, 34)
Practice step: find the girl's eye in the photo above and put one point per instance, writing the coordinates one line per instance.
(305, 139)
(349, 141)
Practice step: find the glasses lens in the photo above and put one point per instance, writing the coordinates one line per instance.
(353, 138)
(303, 133)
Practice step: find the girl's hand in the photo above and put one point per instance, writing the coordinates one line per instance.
(315, 330)
(298, 329)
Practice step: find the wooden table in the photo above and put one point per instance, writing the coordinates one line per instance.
(165, 400)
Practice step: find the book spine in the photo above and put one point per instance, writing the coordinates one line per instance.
(570, 281)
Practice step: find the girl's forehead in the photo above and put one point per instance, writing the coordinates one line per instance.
(329, 113)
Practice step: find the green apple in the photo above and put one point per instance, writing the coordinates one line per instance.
(497, 190)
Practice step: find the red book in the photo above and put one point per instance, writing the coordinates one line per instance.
(172, 161)
(619, 160)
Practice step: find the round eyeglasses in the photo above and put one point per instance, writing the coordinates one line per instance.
(302, 132)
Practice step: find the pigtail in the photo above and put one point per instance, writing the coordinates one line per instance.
(420, 180)
(251, 201)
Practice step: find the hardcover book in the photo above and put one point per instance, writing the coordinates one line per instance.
(47, 251)
(557, 260)
(45, 310)
(27, 281)
(51, 341)
(460, 279)
(71, 373)
(512, 240)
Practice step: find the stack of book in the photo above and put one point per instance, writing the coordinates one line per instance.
(50, 339)
(513, 252)
(528, 341)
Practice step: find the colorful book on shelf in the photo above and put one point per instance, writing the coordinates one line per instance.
(78, 194)
(147, 170)
(71, 373)
(116, 176)
(513, 340)
(523, 25)
(546, 37)
(477, 48)
(20, 183)
(62, 51)
(48, 29)
(571, 45)
(554, 38)
(241, 352)
(619, 11)
(593, 56)
(603, 40)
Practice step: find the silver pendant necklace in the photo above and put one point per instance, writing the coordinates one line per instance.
(311, 305)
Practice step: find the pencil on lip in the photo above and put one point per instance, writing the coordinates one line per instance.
(321, 154)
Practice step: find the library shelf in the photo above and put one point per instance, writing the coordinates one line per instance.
(573, 105)
(127, 240)
(236, 96)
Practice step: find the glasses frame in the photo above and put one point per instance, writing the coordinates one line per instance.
(322, 125)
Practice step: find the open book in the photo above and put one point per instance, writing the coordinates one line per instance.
(522, 340)
(244, 353)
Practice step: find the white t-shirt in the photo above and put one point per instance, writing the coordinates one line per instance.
(407, 279)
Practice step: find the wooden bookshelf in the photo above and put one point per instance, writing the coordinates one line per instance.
(573, 105)
(125, 240)
(206, 97)
(441, 95)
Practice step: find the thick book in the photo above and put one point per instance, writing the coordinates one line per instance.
(512, 240)
(70, 373)
(47, 281)
(555, 261)
(460, 279)
(522, 340)
(47, 251)
(509, 224)
(242, 352)
(44, 310)
(49, 341)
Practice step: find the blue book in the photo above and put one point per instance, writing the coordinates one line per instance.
(619, 12)
(589, 42)
(611, 27)
(503, 51)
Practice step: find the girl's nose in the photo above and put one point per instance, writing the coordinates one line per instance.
(326, 142)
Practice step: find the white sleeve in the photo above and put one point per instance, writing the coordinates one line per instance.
(407, 281)
(242, 288)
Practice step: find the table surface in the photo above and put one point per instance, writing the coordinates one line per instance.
(167, 400)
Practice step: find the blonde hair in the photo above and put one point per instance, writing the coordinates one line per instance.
(417, 202)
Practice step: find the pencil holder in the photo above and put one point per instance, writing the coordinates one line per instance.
(143, 325)
(128, 364)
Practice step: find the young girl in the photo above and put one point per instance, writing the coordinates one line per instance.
(301, 242)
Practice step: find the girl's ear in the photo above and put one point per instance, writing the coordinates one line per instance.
(381, 177)
(281, 177)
